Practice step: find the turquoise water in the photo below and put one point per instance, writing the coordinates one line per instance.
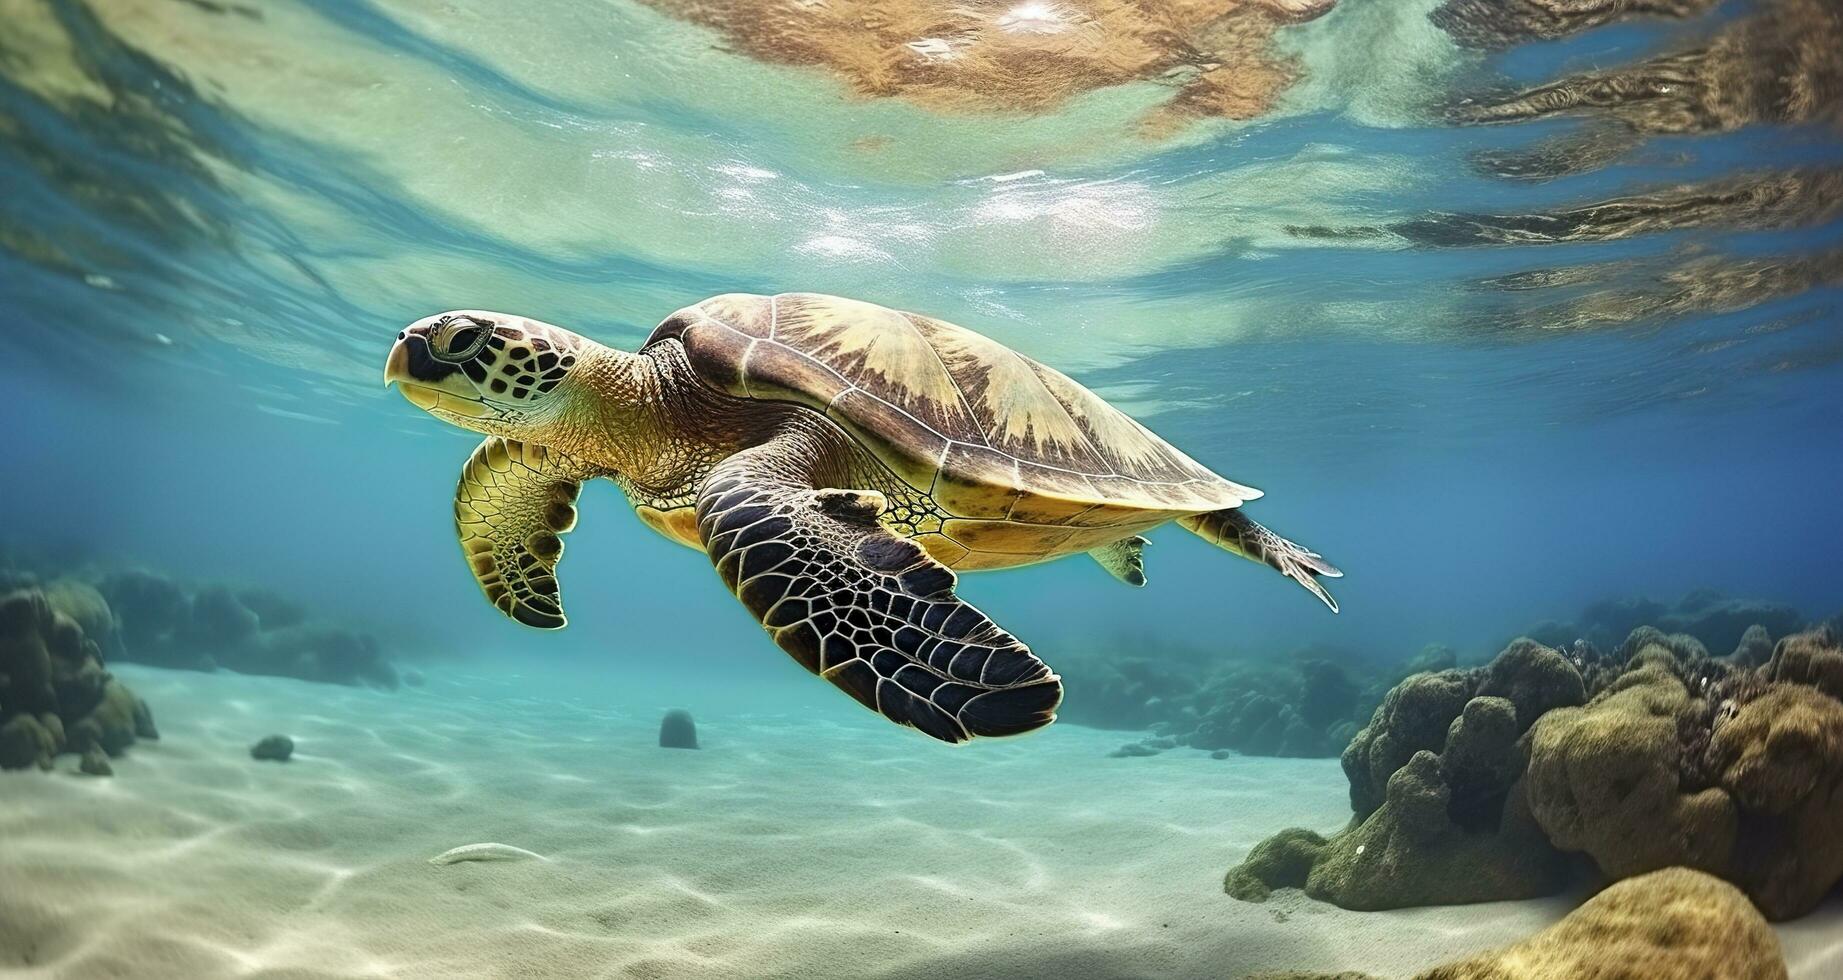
(218, 219)
(1495, 372)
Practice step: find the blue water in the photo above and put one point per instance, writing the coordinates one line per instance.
(216, 219)
(1495, 372)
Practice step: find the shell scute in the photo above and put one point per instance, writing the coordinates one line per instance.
(977, 481)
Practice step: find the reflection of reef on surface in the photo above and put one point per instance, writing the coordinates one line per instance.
(1653, 756)
(63, 71)
(1750, 202)
(1615, 294)
(1502, 23)
(55, 696)
(1779, 65)
(1025, 55)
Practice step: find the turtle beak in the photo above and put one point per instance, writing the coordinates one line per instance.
(428, 384)
(397, 367)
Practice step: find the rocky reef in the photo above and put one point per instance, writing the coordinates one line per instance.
(1308, 706)
(55, 695)
(141, 616)
(1440, 812)
(1720, 624)
(252, 631)
(1492, 783)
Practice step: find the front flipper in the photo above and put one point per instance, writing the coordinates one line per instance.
(513, 502)
(860, 606)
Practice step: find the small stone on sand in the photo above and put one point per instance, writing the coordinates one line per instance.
(275, 747)
(677, 730)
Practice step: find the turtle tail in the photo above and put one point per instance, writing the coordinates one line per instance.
(1234, 532)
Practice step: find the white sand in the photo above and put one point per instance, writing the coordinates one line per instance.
(784, 848)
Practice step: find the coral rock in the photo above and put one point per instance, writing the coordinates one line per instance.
(1604, 779)
(96, 763)
(1436, 783)
(1781, 758)
(55, 695)
(1534, 679)
(1413, 717)
(1755, 648)
(1741, 777)
(1281, 861)
(24, 742)
(1809, 658)
(1674, 924)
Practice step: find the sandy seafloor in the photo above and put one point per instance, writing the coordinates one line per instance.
(786, 847)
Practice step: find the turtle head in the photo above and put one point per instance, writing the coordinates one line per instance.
(489, 372)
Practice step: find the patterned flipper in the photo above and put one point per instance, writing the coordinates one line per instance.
(1233, 531)
(862, 607)
(513, 502)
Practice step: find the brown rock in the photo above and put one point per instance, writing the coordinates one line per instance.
(1604, 779)
(1674, 924)
(1781, 757)
(1809, 658)
(96, 763)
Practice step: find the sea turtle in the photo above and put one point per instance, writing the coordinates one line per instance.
(837, 461)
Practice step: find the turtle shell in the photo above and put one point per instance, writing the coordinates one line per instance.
(988, 433)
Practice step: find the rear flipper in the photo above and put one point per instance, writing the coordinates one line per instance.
(1231, 530)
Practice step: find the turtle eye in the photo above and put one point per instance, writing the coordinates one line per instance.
(460, 339)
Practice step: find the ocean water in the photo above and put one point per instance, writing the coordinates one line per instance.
(1498, 356)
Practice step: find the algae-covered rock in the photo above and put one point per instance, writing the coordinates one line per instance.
(1603, 779)
(1711, 620)
(1674, 924)
(1436, 786)
(1411, 852)
(1413, 717)
(55, 695)
(1813, 658)
(1739, 774)
(1534, 679)
(1754, 649)
(149, 609)
(96, 763)
(110, 725)
(1281, 861)
(1466, 783)
(1780, 757)
(88, 609)
(26, 742)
